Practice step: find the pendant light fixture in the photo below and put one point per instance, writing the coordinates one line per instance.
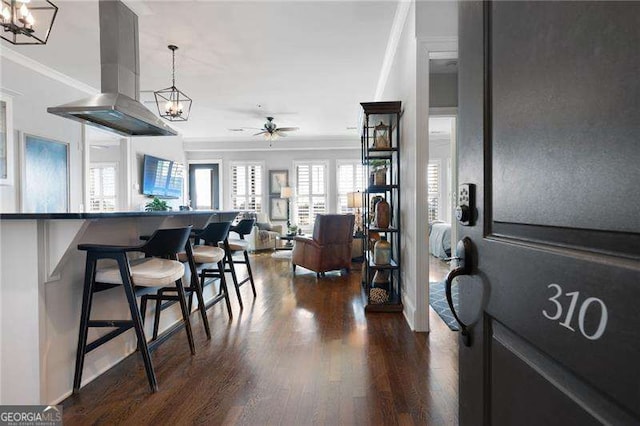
(27, 21)
(173, 104)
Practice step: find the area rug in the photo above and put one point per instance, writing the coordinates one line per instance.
(282, 254)
(438, 301)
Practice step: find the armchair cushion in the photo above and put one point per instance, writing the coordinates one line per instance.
(264, 234)
(329, 248)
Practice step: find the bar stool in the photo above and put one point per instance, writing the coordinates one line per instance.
(210, 255)
(158, 269)
(168, 295)
(232, 245)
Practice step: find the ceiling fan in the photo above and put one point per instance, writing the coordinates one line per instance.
(271, 131)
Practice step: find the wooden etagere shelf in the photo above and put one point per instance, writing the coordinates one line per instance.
(380, 139)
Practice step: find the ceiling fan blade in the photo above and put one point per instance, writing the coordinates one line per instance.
(287, 129)
(280, 134)
(260, 133)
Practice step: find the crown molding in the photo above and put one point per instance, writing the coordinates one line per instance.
(39, 67)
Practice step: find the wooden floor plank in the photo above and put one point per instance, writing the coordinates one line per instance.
(302, 352)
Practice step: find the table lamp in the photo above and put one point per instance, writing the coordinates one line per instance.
(287, 192)
(354, 201)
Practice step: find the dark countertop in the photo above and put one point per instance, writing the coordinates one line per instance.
(6, 216)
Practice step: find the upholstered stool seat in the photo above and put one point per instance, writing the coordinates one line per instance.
(236, 244)
(204, 254)
(148, 272)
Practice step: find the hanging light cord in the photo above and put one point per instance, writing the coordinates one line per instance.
(173, 74)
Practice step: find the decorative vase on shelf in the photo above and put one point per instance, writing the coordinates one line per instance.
(383, 214)
(380, 177)
(382, 252)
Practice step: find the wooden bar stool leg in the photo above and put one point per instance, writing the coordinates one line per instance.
(87, 298)
(223, 287)
(246, 259)
(232, 269)
(143, 307)
(137, 322)
(182, 299)
(156, 318)
(197, 288)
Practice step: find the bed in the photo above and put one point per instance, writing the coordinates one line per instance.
(440, 239)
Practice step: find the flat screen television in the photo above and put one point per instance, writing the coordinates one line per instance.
(162, 178)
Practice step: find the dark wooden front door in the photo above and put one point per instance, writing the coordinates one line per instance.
(550, 137)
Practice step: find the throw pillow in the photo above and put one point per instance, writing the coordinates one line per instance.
(264, 226)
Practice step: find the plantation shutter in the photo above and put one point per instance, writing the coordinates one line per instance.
(350, 179)
(433, 184)
(246, 187)
(102, 187)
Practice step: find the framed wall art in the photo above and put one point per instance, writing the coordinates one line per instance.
(45, 175)
(277, 179)
(6, 141)
(278, 209)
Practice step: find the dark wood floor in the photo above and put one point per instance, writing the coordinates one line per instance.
(302, 353)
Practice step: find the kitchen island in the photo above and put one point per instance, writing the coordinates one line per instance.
(41, 279)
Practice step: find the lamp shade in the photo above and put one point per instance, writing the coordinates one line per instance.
(286, 192)
(354, 200)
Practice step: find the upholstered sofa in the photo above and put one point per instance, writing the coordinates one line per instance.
(263, 236)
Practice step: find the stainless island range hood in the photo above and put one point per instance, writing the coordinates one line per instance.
(117, 108)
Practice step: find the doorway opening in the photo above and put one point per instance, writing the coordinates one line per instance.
(442, 176)
(204, 186)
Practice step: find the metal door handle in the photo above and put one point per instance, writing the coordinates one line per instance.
(463, 256)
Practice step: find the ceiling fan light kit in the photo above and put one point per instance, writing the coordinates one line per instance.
(173, 104)
(27, 21)
(270, 131)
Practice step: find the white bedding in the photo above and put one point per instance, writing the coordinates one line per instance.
(440, 239)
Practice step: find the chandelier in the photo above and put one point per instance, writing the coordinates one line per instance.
(173, 104)
(27, 21)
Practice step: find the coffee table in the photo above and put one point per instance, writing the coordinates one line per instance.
(289, 242)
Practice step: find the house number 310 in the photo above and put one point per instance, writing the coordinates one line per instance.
(555, 313)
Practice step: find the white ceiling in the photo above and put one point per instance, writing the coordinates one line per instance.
(309, 63)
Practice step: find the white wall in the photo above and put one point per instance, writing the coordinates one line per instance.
(443, 90)
(33, 93)
(401, 85)
(436, 19)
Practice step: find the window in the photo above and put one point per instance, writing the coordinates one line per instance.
(350, 179)
(433, 184)
(246, 186)
(311, 196)
(102, 187)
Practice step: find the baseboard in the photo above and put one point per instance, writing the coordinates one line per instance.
(409, 312)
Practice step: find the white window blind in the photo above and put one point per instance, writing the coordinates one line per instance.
(311, 198)
(433, 184)
(246, 186)
(350, 179)
(103, 187)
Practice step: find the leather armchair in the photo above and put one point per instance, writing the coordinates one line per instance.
(330, 247)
